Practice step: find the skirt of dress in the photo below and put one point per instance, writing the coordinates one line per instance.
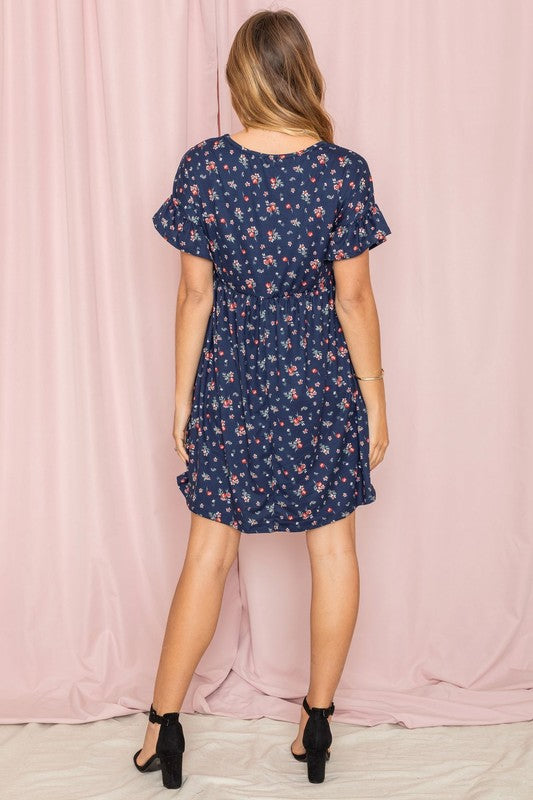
(278, 433)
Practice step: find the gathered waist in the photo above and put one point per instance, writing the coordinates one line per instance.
(324, 285)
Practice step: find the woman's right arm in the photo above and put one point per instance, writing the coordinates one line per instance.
(193, 308)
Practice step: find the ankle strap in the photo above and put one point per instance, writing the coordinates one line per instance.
(171, 717)
(325, 712)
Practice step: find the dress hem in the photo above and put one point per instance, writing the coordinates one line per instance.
(295, 527)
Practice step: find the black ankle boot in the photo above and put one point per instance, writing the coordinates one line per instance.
(316, 740)
(168, 750)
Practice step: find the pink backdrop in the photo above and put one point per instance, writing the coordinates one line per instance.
(99, 102)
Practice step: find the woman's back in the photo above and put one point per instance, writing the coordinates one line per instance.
(270, 221)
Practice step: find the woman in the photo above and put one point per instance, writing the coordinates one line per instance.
(280, 405)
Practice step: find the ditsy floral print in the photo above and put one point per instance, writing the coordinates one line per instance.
(278, 433)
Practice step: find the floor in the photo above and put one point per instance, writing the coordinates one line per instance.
(227, 758)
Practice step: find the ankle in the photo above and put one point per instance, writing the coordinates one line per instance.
(317, 701)
(160, 709)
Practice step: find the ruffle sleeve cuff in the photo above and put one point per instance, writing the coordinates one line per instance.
(183, 232)
(350, 238)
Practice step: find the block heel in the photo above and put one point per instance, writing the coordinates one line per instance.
(171, 769)
(169, 749)
(316, 765)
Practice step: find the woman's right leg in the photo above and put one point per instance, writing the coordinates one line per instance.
(334, 607)
(193, 616)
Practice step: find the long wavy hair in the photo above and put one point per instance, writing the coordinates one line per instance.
(274, 80)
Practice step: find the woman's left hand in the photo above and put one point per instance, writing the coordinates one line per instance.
(182, 413)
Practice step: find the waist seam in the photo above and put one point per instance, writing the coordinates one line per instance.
(316, 290)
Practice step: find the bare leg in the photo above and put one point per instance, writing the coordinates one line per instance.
(334, 607)
(193, 616)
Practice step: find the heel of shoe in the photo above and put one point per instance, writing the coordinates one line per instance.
(316, 739)
(171, 770)
(316, 765)
(169, 747)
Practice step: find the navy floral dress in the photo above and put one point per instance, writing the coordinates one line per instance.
(278, 433)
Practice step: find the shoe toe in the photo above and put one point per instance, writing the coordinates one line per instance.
(151, 765)
(303, 756)
(299, 756)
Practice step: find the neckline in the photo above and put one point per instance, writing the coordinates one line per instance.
(272, 155)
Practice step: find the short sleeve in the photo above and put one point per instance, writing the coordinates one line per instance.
(359, 224)
(180, 220)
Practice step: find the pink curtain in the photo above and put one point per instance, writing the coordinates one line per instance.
(99, 102)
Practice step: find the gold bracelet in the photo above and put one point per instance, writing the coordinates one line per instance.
(376, 378)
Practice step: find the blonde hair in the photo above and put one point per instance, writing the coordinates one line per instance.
(274, 80)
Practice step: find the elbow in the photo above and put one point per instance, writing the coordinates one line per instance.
(198, 296)
(348, 303)
(195, 292)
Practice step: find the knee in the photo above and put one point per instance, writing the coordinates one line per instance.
(212, 546)
(211, 560)
(331, 547)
